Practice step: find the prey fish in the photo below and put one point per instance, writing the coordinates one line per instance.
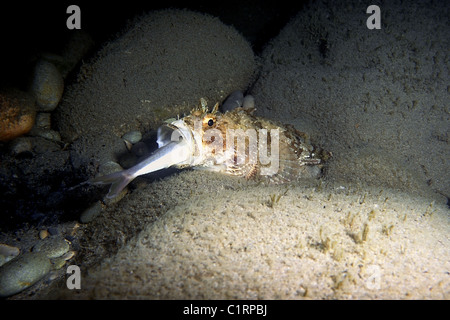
(233, 142)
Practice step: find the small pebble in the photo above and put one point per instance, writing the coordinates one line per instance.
(43, 120)
(45, 133)
(233, 101)
(43, 234)
(132, 136)
(52, 247)
(53, 231)
(128, 144)
(22, 272)
(47, 86)
(21, 146)
(249, 102)
(58, 263)
(91, 213)
(6, 250)
(69, 255)
(109, 167)
(7, 253)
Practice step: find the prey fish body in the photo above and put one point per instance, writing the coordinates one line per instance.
(235, 142)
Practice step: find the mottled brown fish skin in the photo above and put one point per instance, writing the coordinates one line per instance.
(295, 151)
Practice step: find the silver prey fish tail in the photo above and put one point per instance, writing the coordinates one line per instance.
(173, 153)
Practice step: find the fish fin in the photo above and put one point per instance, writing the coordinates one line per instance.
(291, 170)
(118, 180)
(247, 170)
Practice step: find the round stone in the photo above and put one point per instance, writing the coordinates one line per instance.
(109, 167)
(52, 247)
(133, 136)
(234, 100)
(17, 114)
(22, 272)
(91, 213)
(45, 133)
(43, 120)
(43, 234)
(21, 146)
(8, 250)
(7, 253)
(47, 86)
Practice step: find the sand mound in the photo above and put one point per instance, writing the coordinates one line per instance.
(160, 67)
(377, 99)
(231, 240)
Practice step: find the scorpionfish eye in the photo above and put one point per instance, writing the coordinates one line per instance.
(210, 122)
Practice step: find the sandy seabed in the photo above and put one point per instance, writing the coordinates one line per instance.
(375, 226)
(314, 240)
